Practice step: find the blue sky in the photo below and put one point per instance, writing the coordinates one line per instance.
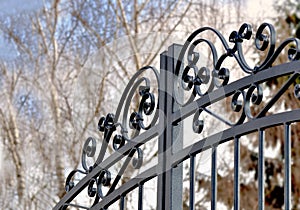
(10, 8)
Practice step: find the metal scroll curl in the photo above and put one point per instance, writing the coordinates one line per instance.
(241, 102)
(245, 100)
(195, 74)
(116, 127)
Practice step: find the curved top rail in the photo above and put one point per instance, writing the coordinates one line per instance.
(291, 68)
(123, 144)
(265, 39)
(200, 146)
(127, 130)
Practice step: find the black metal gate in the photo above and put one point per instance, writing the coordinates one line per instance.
(182, 72)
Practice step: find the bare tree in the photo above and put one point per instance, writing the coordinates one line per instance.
(68, 55)
(37, 117)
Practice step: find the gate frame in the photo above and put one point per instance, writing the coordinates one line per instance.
(170, 114)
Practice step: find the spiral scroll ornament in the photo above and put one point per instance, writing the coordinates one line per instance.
(112, 127)
(194, 74)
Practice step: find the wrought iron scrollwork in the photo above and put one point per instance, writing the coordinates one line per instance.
(198, 125)
(103, 179)
(120, 129)
(238, 104)
(88, 151)
(252, 97)
(146, 106)
(297, 91)
(195, 74)
(243, 100)
(118, 132)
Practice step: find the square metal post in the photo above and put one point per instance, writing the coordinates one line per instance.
(169, 194)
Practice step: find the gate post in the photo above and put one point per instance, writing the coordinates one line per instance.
(169, 195)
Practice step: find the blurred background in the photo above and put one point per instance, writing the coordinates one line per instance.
(65, 63)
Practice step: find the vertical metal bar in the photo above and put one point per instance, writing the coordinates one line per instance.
(169, 183)
(287, 167)
(236, 173)
(176, 143)
(165, 139)
(141, 191)
(261, 170)
(192, 182)
(161, 166)
(122, 202)
(214, 178)
(168, 134)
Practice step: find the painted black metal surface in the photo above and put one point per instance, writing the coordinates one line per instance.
(182, 73)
